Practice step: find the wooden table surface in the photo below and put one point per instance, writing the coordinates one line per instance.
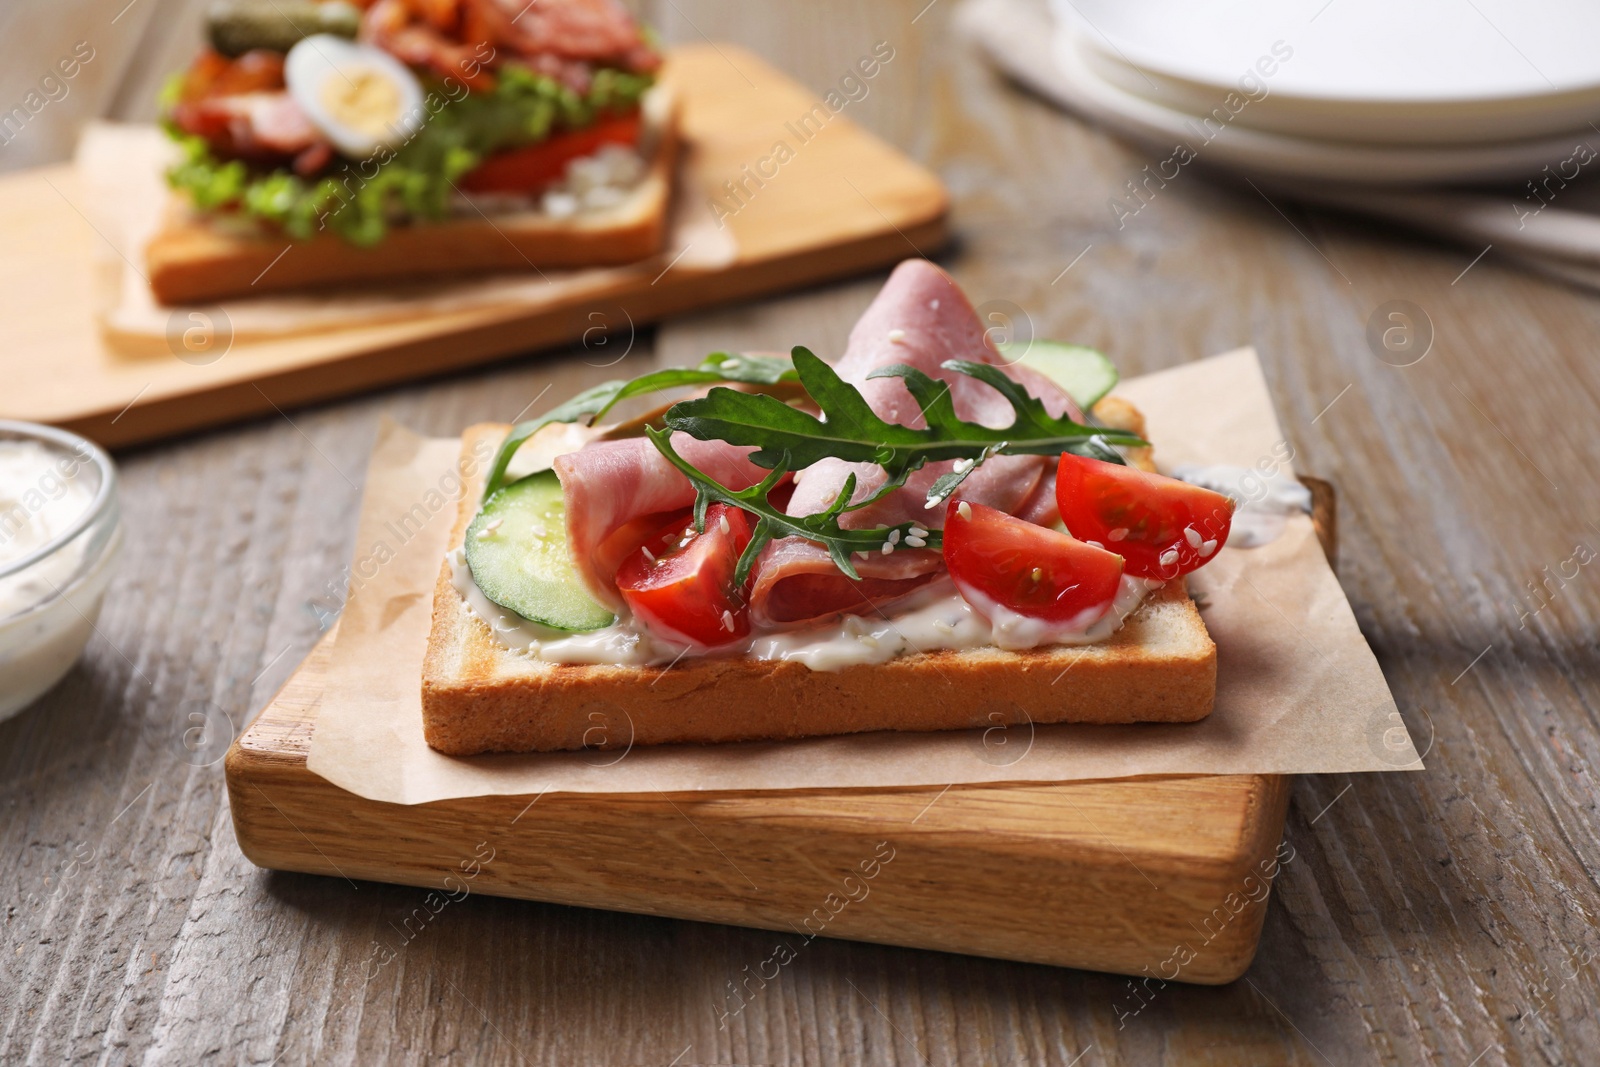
(1444, 917)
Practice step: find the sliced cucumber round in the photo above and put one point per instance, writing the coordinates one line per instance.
(518, 553)
(1086, 375)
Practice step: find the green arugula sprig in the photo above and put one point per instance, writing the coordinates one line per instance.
(590, 404)
(772, 523)
(848, 429)
(786, 439)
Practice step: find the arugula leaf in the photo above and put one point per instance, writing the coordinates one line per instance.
(946, 483)
(771, 523)
(850, 430)
(590, 404)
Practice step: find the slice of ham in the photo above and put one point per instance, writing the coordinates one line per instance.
(266, 127)
(920, 318)
(610, 485)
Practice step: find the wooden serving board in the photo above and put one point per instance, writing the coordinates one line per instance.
(846, 202)
(1117, 875)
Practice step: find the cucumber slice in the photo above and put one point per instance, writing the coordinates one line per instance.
(518, 554)
(1086, 375)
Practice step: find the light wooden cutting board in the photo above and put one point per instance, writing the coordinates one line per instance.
(846, 202)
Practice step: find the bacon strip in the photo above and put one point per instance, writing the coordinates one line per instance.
(610, 484)
(920, 318)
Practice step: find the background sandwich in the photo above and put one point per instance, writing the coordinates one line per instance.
(324, 142)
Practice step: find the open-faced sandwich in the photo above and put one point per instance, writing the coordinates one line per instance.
(325, 142)
(904, 539)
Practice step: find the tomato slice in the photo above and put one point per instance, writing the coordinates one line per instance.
(532, 167)
(999, 559)
(680, 583)
(1162, 527)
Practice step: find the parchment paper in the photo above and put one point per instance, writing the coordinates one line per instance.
(122, 166)
(1298, 690)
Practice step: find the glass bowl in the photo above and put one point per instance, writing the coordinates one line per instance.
(60, 531)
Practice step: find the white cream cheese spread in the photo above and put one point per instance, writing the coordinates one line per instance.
(1263, 500)
(933, 619)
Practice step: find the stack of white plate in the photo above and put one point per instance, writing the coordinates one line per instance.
(1345, 91)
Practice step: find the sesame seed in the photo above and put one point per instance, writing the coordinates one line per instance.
(647, 554)
(916, 531)
(1192, 536)
(894, 537)
(965, 509)
(932, 502)
(1169, 557)
(943, 627)
(1118, 534)
(727, 620)
(933, 305)
(916, 542)
(1207, 548)
(897, 337)
(539, 530)
(861, 554)
(888, 547)
(962, 466)
(722, 523)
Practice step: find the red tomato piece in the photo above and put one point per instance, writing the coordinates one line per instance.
(680, 583)
(532, 167)
(1162, 527)
(995, 558)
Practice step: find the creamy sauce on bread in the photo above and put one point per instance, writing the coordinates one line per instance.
(933, 619)
(1263, 500)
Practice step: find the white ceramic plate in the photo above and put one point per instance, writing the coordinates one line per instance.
(1449, 72)
(1281, 155)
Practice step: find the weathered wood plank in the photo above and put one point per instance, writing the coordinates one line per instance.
(1426, 918)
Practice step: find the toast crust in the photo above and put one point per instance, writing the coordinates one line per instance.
(478, 696)
(191, 261)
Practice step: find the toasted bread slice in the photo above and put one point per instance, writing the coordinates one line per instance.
(478, 696)
(192, 260)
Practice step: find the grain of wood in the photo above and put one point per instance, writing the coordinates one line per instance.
(1447, 917)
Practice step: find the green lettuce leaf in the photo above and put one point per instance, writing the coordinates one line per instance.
(360, 200)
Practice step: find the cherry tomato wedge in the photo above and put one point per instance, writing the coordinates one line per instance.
(1162, 527)
(680, 583)
(530, 169)
(995, 558)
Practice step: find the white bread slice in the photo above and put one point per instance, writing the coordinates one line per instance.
(478, 696)
(190, 260)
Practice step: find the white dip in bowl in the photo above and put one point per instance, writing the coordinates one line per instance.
(59, 535)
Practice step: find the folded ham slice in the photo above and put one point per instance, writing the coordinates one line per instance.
(920, 318)
(610, 485)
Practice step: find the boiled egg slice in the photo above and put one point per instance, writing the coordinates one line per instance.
(362, 98)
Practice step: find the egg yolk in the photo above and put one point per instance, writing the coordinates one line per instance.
(364, 99)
